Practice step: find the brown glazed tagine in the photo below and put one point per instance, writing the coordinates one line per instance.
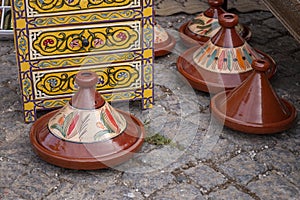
(205, 25)
(223, 62)
(254, 107)
(87, 133)
(163, 41)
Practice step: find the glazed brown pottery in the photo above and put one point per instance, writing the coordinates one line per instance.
(163, 41)
(223, 62)
(254, 107)
(205, 25)
(87, 133)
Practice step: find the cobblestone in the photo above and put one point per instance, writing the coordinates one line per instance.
(230, 192)
(203, 160)
(242, 168)
(206, 177)
(274, 186)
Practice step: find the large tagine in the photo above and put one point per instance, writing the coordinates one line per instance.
(206, 25)
(163, 41)
(223, 62)
(87, 133)
(254, 107)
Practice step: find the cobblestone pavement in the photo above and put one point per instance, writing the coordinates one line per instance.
(187, 154)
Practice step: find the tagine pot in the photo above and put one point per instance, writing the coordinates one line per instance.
(206, 25)
(223, 62)
(254, 107)
(164, 43)
(87, 133)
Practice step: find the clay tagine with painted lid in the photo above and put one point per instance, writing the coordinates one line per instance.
(87, 133)
(163, 41)
(254, 107)
(223, 62)
(206, 25)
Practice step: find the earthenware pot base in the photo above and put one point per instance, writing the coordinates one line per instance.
(86, 156)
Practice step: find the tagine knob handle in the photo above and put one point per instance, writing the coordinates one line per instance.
(228, 20)
(86, 79)
(87, 97)
(260, 65)
(215, 3)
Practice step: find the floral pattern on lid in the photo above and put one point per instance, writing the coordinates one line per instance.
(87, 126)
(225, 60)
(207, 26)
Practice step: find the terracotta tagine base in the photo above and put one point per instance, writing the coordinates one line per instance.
(87, 133)
(211, 82)
(86, 156)
(164, 43)
(205, 25)
(254, 107)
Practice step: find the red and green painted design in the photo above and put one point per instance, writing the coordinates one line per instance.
(87, 125)
(204, 26)
(225, 60)
(208, 27)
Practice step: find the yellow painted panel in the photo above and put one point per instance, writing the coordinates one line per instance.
(50, 84)
(59, 7)
(84, 41)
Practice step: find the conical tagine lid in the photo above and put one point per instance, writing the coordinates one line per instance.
(254, 107)
(87, 133)
(163, 41)
(226, 52)
(206, 25)
(223, 62)
(89, 118)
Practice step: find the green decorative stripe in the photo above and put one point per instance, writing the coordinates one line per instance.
(212, 58)
(247, 56)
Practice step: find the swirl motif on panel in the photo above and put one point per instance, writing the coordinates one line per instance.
(55, 43)
(62, 83)
(48, 6)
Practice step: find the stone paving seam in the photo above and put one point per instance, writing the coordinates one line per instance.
(232, 181)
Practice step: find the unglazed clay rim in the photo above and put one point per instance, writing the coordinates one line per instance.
(192, 41)
(96, 162)
(251, 127)
(161, 49)
(187, 57)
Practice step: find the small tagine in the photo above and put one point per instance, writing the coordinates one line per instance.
(206, 25)
(254, 107)
(223, 62)
(163, 41)
(87, 133)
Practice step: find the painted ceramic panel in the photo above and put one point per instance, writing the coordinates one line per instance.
(79, 41)
(117, 43)
(86, 60)
(98, 17)
(49, 84)
(40, 104)
(59, 7)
